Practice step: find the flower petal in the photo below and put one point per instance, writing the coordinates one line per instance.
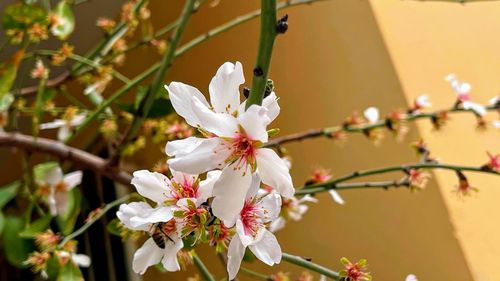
(81, 260)
(274, 172)
(183, 146)
(209, 155)
(224, 87)
(73, 179)
(277, 224)
(57, 123)
(336, 197)
(151, 185)
(128, 211)
(206, 187)
(181, 96)
(63, 133)
(271, 204)
(254, 122)
(149, 254)
(271, 104)
(235, 254)
(220, 124)
(476, 107)
(372, 114)
(54, 176)
(267, 249)
(78, 119)
(169, 260)
(230, 192)
(160, 214)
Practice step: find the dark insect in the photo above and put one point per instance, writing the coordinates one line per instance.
(159, 235)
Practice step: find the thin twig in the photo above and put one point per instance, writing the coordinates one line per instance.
(95, 218)
(300, 261)
(64, 152)
(327, 132)
(206, 275)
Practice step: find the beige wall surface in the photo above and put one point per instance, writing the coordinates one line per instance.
(332, 61)
(426, 41)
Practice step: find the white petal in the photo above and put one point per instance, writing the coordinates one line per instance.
(152, 185)
(271, 104)
(160, 214)
(423, 101)
(476, 107)
(52, 202)
(182, 147)
(372, 114)
(230, 192)
(496, 124)
(411, 277)
(235, 254)
(308, 198)
(277, 224)
(220, 124)
(209, 155)
(224, 87)
(206, 187)
(53, 125)
(54, 176)
(336, 197)
(169, 260)
(450, 77)
(322, 278)
(78, 119)
(133, 209)
(81, 260)
(274, 172)
(271, 203)
(63, 133)
(73, 179)
(181, 96)
(61, 202)
(267, 249)
(254, 122)
(464, 88)
(493, 101)
(149, 254)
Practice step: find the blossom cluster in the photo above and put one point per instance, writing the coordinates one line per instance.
(228, 208)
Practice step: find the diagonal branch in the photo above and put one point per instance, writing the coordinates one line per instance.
(64, 152)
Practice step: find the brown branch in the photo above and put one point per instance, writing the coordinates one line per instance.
(61, 78)
(64, 152)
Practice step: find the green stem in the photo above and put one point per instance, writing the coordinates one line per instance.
(95, 218)
(255, 275)
(334, 184)
(266, 43)
(355, 185)
(206, 275)
(311, 266)
(148, 100)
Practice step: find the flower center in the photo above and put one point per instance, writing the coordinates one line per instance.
(251, 217)
(184, 189)
(244, 150)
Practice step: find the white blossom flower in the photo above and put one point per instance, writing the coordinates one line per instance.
(293, 209)
(495, 100)
(233, 143)
(55, 187)
(420, 103)
(65, 126)
(372, 114)
(168, 194)
(462, 89)
(411, 277)
(251, 230)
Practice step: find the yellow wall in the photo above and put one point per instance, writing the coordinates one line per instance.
(427, 41)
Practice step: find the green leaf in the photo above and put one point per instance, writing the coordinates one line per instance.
(40, 170)
(53, 268)
(68, 220)
(139, 96)
(8, 192)
(113, 227)
(36, 227)
(70, 272)
(17, 249)
(6, 101)
(66, 25)
(8, 72)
